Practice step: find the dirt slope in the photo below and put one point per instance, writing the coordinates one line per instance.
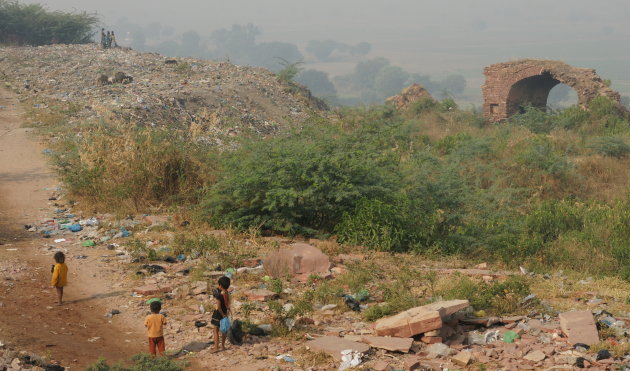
(29, 318)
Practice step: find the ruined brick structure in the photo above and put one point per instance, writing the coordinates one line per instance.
(511, 84)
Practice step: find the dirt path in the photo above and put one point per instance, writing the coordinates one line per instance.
(76, 333)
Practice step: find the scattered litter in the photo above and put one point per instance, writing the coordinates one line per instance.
(350, 358)
(286, 358)
(59, 240)
(94, 339)
(509, 337)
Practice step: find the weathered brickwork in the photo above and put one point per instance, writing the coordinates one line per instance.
(511, 84)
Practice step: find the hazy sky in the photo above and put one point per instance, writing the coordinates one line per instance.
(429, 36)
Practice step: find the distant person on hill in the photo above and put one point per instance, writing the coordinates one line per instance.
(103, 39)
(112, 40)
(108, 40)
(59, 275)
(155, 329)
(223, 307)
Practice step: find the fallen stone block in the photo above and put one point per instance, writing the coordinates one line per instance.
(151, 290)
(462, 359)
(333, 346)
(439, 350)
(300, 260)
(409, 323)
(381, 366)
(431, 339)
(260, 295)
(535, 356)
(446, 308)
(393, 344)
(579, 327)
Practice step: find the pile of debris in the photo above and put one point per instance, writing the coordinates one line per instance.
(11, 359)
(436, 336)
(409, 95)
(148, 89)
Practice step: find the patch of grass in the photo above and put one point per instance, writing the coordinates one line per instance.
(611, 146)
(497, 298)
(141, 362)
(308, 359)
(195, 244)
(617, 351)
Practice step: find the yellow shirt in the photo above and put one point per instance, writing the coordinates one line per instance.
(155, 325)
(60, 275)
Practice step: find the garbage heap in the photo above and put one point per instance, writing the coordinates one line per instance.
(148, 89)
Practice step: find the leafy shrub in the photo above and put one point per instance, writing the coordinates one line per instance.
(535, 119)
(448, 104)
(571, 118)
(374, 224)
(611, 146)
(540, 154)
(601, 107)
(299, 183)
(449, 143)
(32, 24)
(422, 105)
(552, 218)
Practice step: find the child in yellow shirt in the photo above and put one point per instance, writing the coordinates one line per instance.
(59, 274)
(155, 328)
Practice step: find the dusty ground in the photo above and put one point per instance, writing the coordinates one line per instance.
(29, 318)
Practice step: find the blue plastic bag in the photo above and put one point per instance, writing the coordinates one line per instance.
(224, 325)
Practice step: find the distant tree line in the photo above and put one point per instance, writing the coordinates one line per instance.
(371, 81)
(375, 79)
(32, 24)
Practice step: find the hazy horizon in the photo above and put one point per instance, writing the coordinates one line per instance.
(431, 36)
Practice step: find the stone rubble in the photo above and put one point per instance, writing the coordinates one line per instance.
(437, 336)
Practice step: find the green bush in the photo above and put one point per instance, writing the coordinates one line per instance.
(300, 183)
(540, 154)
(374, 224)
(422, 105)
(535, 119)
(552, 218)
(571, 118)
(32, 24)
(611, 146)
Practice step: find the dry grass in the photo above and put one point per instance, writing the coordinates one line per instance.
(605, 178)
(563, 292)
(307, 358)
(617, 351)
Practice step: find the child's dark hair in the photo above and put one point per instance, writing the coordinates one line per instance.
(59, 257)
(224, 282)
(156, 307)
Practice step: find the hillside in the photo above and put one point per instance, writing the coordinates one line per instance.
(216, 97)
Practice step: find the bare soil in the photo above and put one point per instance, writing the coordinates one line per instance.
(77, 332)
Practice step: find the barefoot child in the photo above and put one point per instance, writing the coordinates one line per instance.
(155, 328)
(223, 307)
(59, 275)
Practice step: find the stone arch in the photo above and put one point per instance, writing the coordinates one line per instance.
(511, 84)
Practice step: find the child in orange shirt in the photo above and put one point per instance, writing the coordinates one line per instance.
(59, 275)
(155, 328)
